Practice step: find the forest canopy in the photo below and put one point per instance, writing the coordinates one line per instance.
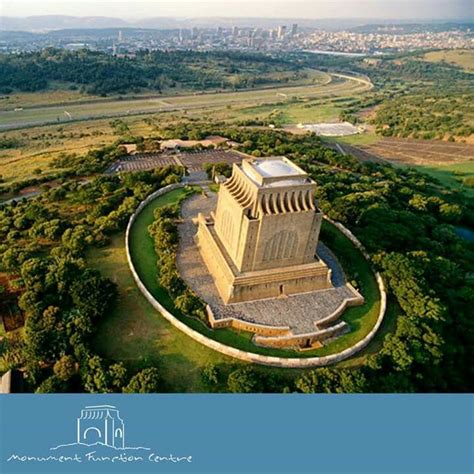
(101, 74)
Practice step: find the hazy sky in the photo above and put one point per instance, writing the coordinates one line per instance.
(400, 9)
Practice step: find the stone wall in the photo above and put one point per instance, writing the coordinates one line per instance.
(290, 362)
(245, 325)
(301, 340)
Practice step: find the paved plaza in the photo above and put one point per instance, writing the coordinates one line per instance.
(300, 312)
(339, 129)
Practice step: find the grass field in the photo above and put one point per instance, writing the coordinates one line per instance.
(85, 111)
(463, 58)
(62, 93)
(294, 113)
(53, 95)
(361, 319)
(453, 176)
(366, 138)
(388, 326)
(39, 146)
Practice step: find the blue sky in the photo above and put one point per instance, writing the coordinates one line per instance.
(399, 9)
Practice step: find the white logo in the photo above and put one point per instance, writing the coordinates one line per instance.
(100, 425)
(100, 437)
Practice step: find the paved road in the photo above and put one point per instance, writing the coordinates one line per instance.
(20, 197)
(36, 193)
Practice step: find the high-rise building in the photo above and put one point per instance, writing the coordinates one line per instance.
(120, 36)
(281, 32)
(235, 31)
(294, 29)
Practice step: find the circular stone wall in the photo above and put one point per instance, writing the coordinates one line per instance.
(293, 362)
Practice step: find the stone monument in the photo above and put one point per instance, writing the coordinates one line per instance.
(260, 242)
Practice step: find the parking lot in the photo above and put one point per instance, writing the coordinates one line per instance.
(192, 160)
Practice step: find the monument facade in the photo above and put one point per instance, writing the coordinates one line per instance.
(260, 242)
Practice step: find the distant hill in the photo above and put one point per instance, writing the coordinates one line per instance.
(45, 23)
(58, 22)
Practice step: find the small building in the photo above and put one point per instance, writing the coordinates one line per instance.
(212, 141)
(171, 144)
(215, 140)
(130, 148)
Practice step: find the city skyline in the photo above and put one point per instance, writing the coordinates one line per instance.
(316, 9)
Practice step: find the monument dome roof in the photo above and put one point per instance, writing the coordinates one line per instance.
(276, 168)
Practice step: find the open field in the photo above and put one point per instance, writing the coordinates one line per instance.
(453, 176)
(366, 138)
(292, 113)
(34, 99)
(421, 152)
(463, 58)
(39, 146)
(451, 163)
(342, 85)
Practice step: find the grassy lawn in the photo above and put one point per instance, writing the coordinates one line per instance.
(361, 319)
(452, 176)
(135, 333)
(293, 113)
(388, 326)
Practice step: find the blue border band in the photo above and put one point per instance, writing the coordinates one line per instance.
(320, 434)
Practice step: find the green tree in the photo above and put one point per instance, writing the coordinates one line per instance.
(146, 381)
(95, 376)
(243, 381)
(65, 368)
(52, 384)
(117, 375)
(210, 374)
